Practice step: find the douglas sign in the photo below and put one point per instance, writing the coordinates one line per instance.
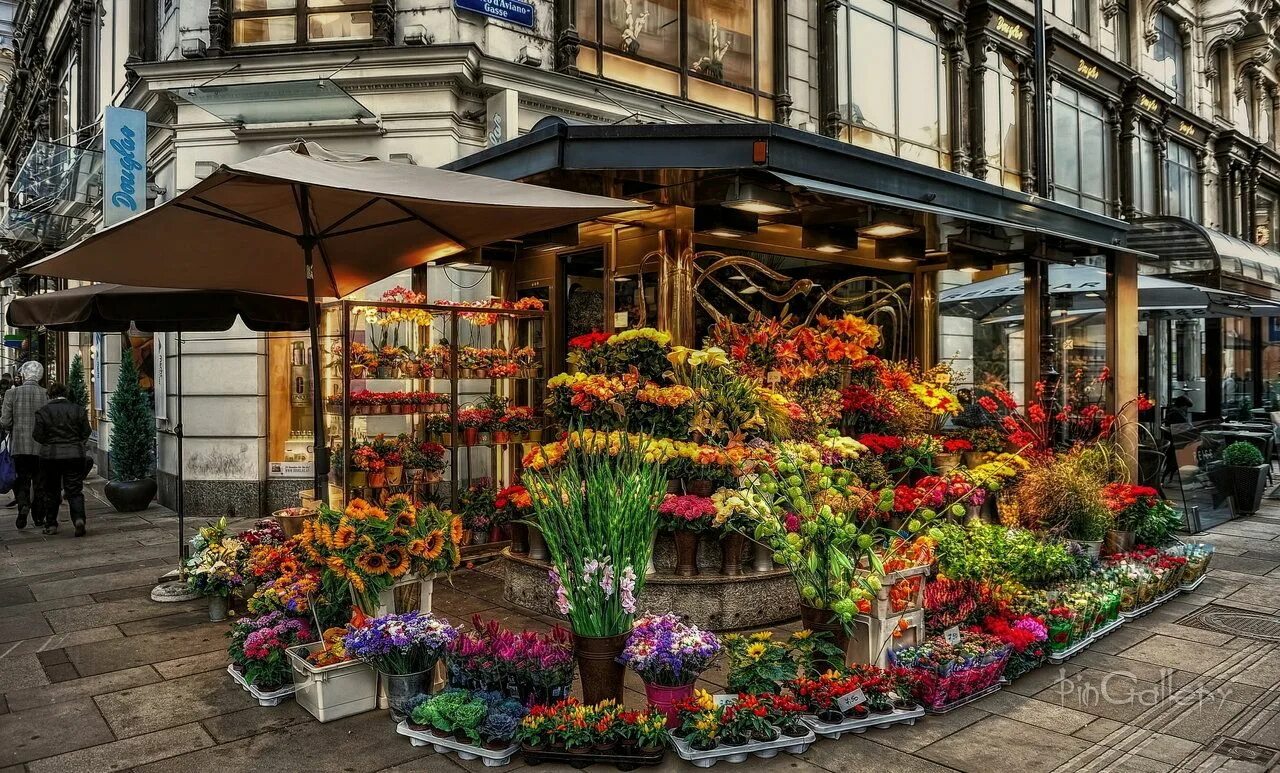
(125, 175)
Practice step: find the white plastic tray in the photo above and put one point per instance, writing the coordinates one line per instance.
(736, 754)
(1075, 649)
(1195, 584)
(465, 751)
(898, 716)
(273, 698)
(1106, 629)
(969, 699)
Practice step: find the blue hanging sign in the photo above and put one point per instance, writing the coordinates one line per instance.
(514, 11)
(124, 141)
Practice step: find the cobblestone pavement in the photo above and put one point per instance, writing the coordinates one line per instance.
(95, 676)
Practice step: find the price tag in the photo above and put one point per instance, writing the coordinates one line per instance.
(952, 635)
(851, 699)
(723, 699)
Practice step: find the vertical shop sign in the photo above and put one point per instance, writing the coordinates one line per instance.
(160, 355)
(125, 174)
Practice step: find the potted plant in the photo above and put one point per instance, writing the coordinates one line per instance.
(1246, 476)
(473, 421)
(669, 655)
(513, 506)
(389, 362)
(950, 456)
(597, 512)
(1089, 527)
(404, 649)
(686, 516)
(527, 359)
(213, 570)
(264, 649)
(476, 506)
(132, 452)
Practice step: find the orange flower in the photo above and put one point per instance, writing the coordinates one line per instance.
(406, 519)
(376, 513)
(404, 499)
(356, 582)
(455, 530)
(433, 545)
(336, 565)
(417, 547)
(373, 563)
(344, 537)
(397, 561)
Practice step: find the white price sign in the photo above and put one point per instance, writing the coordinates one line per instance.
(952, 635)
(723, 699)
(851, 699)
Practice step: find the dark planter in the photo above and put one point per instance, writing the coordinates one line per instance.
(519, 539)
(819, 620)
(731, 546)
(1247, 487)
(130, 496)
(687, 552)
(598, 667)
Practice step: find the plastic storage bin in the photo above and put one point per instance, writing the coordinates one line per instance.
(332, 692)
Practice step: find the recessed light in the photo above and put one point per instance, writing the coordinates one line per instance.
(757, 199)
(885, 231)
(901, 259)
(830, 248)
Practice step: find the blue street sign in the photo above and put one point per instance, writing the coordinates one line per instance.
(514, 11)
(125, 174)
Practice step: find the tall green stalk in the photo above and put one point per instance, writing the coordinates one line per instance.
(597, 512)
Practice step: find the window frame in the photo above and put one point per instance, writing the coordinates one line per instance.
(1146, 199)
(301, 12)
(992, 76)
(845, 79)
(761, 44)
(1079, 12)
(1167, 27)
(1186, 172)
(1103, 199)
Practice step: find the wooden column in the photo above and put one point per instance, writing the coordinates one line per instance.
(675, 285)
(924, 317)
(1122, 352)
(1035, 299)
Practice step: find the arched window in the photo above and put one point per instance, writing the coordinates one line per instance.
(892, 82)
(1168, 58)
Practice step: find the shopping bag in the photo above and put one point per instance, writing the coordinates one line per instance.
(8, 472)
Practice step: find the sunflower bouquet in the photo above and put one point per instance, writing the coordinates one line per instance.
(371, 548)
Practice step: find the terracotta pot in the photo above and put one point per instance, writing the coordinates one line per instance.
(395, 474)
(379, 409)
(292, 518)
(598, 666)
(470, 436)
(519, 539)
(731, 545)
(820, 620)
(666, 698)
(687, 553)
(395, 408)
(377, 480)
(501, 437)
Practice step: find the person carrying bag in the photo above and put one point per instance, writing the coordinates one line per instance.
(17, 417)
(61, 429)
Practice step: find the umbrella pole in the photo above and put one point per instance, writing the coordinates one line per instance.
(178, 430)
(321, 451)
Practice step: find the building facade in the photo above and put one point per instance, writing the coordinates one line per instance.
(1159, 113)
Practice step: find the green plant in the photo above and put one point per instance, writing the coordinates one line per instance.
(1156, 524)
(1241, 454)
(76, 389)
(1092, 524)
(597, 511)
(467, 718)
(133, 430)
(986, 552)
(1063, 495)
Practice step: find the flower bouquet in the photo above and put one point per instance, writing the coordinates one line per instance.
(947, 673)
(668, 655)
(686, 516)
(404, 648)
(214, 568)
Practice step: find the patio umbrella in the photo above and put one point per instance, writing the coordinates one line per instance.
(112, 308)
(305, 221)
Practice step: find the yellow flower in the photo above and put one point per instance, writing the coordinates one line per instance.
(762, 636)
(756, 650)
(713, 356)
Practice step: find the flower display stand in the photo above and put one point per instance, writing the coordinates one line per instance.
(580, 760)
(1061, 656)
(402, 597)
(272, 698)
(332, 692)
(872, 638)
(908, 584)
(736, 754)
(490, 757)
(834, 731)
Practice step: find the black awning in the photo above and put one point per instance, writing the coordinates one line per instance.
(781, 151)
(1207, 257)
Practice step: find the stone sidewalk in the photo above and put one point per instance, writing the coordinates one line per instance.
(94, 676)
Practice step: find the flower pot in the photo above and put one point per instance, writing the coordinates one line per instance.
(534, 436)
(387, 371)
(413, 475)
(1118, 541)
(972, 459)
(395, 474)
(378, 479)
(357, 478)
(666, 698)
(501, 437)
(292, 518)
(598, 666)
(1091, 547)
(699, 487)
(674, 487)
(381, 409)
(496, 535)
(358, 371)
(519, 538)
(946, 462)
(403, 688)
(217, 609)
(731, 545)
(1248, 484)
(761, 557)
(973, 514)
(537, 545)
(687, 552)
(823, 620)
(130, 496)
(395, 408)
(479, 537)
(432, 476)
(410, 369)
(470, 436)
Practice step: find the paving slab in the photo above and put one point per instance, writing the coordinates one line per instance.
(255, 719)
(131, 651)
(20, 671)
(23, 627)
(69, 639)
(128, 753)
(38, 607)
(910, 738)
(1100, 729)
(132, 577)
(141, 607)
(1180, 654)
(172, 702)
(50, 730)
(1245, 564)
(1050, 716)
(192, 664)
(83, 687)
(863, 754)
(1002, 744)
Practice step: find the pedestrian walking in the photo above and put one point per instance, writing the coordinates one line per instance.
(61, 429)
(18, 417)
(5, 384)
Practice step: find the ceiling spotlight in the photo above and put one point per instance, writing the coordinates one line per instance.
(757, 199)
(886, 224)
(726, 223)
(901, 259)
(829, 238)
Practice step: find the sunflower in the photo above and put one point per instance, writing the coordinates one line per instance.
(357, 584)
(762, 636)
(288, 567)
(417, 547)
(406, 519)
(372, 562)
(377, 513)
(336, 565)
(455, 530)
(755, 651)
(344, 537)
(406, 500)
(433, 545)
(397, 561)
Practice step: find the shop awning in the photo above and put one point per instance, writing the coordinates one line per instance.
(555, 150)
(1207, 257)
(117, 308)
(1082, 290)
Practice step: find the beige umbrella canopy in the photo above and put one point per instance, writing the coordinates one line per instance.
(299, 213)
